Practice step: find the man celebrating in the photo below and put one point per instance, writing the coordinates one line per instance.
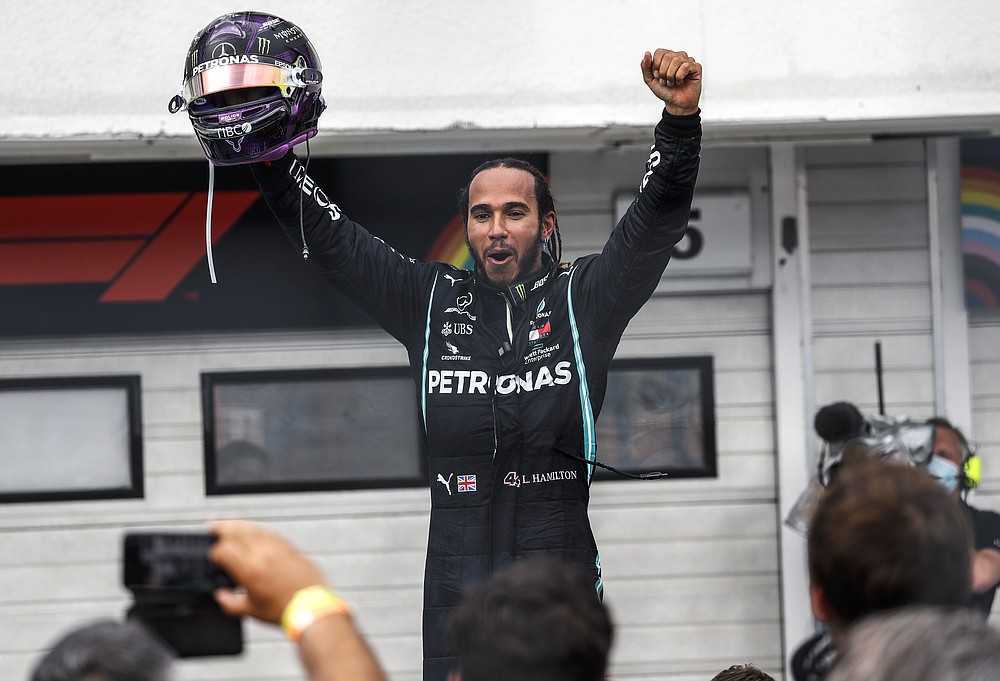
(510, 359)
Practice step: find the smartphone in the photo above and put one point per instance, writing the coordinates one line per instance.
(172, 581)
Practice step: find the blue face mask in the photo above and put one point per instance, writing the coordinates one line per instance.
(945, 471)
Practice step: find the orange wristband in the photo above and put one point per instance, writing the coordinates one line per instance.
(309, 605)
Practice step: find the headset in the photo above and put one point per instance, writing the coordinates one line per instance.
(971, 468)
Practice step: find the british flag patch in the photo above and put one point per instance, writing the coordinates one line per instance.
(466, 483)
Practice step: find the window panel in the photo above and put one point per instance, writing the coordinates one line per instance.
(70, 438)
(309, 430)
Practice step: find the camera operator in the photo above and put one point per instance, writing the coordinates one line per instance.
(951, 453)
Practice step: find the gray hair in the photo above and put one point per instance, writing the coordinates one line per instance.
(106, 650)
(920, 644)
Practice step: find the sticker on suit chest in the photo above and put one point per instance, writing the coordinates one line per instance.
(457, 328)
(539, 352)
(467, 382)
(454, 354)
(463, 483)
(461, 306)
(539, 329)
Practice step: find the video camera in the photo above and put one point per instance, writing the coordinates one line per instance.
(841, 425)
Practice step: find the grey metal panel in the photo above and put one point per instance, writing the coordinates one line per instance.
(984, 351)
(868, 227)
(871, 273)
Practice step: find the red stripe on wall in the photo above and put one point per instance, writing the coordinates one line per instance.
(168, 259)
(64, 262)
(86, 215)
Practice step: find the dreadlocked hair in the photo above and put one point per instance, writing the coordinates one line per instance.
(543, 196)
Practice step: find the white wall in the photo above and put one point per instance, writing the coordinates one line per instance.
(106, 68)
(871, 275)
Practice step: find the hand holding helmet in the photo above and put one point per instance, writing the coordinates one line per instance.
(252, 88)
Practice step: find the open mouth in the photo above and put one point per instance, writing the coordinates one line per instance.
(499, 256)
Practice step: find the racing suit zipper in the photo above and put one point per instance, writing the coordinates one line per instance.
(493, 399)
(507, 347)
(510, 323)
(496, 427)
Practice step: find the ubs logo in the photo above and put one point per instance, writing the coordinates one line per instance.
(459, 329)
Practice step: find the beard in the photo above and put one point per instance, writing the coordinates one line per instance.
(524, 261)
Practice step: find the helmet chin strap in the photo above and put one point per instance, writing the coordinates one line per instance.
(302, 229)
(208, 222)
(208, 219)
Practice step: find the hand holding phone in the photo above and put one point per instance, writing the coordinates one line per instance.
(173, 582)
(268, 568)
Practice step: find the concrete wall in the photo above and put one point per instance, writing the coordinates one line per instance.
(106, 68)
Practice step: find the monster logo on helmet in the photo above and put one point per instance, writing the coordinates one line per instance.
(252, 88)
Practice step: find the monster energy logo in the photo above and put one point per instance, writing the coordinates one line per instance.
(263, 45)
(520, 290)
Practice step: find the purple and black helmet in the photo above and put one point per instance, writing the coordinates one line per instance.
(252, 87)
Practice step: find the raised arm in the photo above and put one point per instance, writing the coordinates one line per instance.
(618, 282)
(675, 78)
(280, 585)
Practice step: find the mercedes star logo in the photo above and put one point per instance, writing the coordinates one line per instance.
(223, 50)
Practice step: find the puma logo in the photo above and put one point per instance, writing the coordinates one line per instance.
(446, 483)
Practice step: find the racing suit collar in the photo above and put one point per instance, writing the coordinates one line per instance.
(518, 292)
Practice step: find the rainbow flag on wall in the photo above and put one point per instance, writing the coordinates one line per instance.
(981, 222)
(450, 247)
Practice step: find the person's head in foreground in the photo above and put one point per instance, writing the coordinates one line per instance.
(920, 644)
(536, 620)
(742, 672)
(106, 650)
(885, 535)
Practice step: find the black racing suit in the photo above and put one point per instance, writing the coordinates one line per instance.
(510, 381)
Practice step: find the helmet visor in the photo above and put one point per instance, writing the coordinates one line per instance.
(234, 76)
